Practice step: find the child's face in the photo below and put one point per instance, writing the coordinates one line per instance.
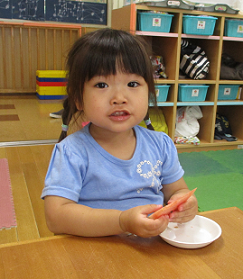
(116, 102)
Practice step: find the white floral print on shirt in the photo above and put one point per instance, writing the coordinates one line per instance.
(147, 170)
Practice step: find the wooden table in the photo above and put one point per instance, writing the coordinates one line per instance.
(128, 257)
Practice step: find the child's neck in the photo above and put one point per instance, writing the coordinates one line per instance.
(120, 145)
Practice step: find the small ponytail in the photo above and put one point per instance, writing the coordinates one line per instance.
(67, 114)
(148, 122)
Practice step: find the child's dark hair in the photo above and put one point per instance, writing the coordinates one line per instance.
(103, 52)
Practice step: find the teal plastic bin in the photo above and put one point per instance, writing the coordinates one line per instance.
(198, 25)
(233, 28)
(228, 91)
(154, 22)
(162, 92)
(192, 92)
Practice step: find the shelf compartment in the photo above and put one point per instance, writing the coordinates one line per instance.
(233, 49)
(235, 117)
(206, 124)
(168, 49)
(211, 48)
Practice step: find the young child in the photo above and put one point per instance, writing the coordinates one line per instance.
(107, 178)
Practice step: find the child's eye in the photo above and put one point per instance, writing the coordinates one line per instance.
(133, 84)
(101, 85)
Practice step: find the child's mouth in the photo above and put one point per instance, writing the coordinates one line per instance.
(119, 115)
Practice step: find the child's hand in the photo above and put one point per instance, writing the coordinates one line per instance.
(136, 221)
(185, 211)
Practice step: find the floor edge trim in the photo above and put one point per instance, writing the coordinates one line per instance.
(28, 142)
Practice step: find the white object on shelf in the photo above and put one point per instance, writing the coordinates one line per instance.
(213, 2)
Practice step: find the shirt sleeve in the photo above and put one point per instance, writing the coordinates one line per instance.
(172, 169)
(64, 175)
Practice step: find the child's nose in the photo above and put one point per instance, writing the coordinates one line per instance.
(119, 97)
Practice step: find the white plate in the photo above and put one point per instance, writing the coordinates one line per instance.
(196, 233)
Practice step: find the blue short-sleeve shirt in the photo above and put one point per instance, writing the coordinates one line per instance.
(82, 171)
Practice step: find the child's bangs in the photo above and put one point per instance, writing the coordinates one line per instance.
(102, 65)
(132, 64)
(113, 58)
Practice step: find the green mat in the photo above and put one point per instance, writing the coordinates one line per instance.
(218, 176)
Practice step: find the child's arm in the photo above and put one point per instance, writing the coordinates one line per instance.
(187, 210)
(66, 216)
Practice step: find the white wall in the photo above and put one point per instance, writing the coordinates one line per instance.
(232, 3)
(117, 4)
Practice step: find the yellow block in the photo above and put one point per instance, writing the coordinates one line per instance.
(51, 73)
(51, 90)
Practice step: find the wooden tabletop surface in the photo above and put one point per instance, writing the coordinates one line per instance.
(128, 256)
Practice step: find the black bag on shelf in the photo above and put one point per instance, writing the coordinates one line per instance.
(194, 62)
(230, 69)
(222, 129)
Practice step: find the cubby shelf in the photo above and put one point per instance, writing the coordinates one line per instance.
(230, 103)
(186, 36)
(185, 104)
(157, 34)
(168, 45)
(165, 104)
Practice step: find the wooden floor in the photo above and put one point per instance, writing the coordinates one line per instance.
(28, 166)
(24, 122)
(26, 118)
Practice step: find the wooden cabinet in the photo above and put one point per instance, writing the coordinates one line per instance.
(168, 45)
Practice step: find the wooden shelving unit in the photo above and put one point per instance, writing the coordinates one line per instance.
(168, 45)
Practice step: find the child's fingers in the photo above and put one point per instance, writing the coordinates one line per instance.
(156, 227)
(184, 215)
(190, 203)
(173, 204)
(180, 217)
(150, 208)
